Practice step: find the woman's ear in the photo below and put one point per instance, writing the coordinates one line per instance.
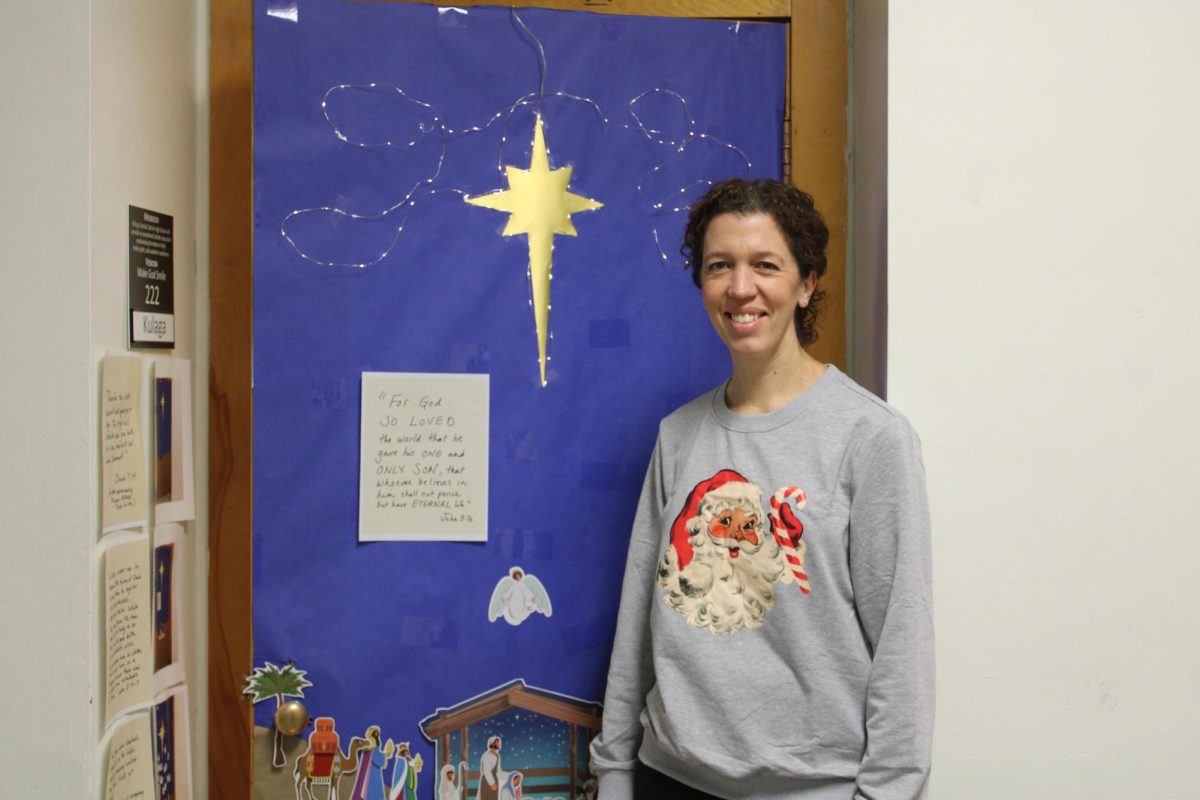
(808, 285)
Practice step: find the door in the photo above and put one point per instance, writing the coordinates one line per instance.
(368, 260)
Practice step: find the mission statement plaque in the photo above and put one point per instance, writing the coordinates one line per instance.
(151, 279)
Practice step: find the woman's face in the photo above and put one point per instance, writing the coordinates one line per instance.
(751, 285)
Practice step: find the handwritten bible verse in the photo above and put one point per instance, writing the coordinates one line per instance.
(122, 458)
(423, 472)
(127, 664)
(130, 773)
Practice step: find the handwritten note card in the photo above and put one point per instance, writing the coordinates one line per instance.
(423, 472)
(127, 674)
(130, 774)
(124, 482)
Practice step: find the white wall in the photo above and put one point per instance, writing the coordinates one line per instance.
(47, 486)
(100, 111)
(145, 110)
(1044, 258)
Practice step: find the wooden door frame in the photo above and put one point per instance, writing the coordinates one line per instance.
(815, 145)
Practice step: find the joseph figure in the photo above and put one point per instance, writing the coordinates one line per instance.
(490, 774)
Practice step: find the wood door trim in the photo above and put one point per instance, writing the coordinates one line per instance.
(818, 98)
(696, 9)
(230, 438)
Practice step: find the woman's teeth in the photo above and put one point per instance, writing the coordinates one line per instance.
(744, 318)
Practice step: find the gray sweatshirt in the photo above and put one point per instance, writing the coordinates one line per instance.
(775, 634)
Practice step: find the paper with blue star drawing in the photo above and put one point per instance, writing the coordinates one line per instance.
(441, 190)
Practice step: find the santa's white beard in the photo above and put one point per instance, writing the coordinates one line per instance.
(721, 593)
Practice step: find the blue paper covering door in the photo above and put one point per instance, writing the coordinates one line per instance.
(373, 122)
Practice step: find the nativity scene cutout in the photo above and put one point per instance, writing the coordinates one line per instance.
(512, 742)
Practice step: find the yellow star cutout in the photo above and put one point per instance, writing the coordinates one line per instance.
(539, 206)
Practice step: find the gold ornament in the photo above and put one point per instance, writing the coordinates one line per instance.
(291, 718)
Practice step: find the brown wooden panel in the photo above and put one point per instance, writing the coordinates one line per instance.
(548, 706)
(465, 717)
(230, 647)
(819, 95)
(573, 761)
(698, 9)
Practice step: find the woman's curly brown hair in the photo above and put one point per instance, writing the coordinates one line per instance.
(793, 211)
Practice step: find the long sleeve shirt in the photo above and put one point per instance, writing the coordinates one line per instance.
(771, 652)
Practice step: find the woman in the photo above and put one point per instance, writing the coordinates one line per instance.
(775, 636)
(511, 790)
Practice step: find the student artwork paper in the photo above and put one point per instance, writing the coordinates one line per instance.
(172, 751)
(423, 457)
(167, 567)
(123, 479)
(127, 659)
(130, 765)
(173, 494)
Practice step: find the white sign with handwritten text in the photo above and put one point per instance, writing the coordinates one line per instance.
(123, 476)
(423, 457)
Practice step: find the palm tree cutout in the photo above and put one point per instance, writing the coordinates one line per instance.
(270, 681)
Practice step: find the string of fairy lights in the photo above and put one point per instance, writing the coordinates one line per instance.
(666, 203)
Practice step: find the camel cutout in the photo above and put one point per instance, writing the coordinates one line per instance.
(323, 763)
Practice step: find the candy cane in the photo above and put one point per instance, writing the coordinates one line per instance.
(793, 550)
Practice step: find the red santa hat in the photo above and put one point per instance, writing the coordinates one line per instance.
(680, 536)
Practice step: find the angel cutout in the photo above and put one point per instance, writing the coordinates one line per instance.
(516, 596)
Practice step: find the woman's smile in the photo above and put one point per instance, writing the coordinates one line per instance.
(744, 321)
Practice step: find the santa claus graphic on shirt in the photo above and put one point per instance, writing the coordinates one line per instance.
(726, 554)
